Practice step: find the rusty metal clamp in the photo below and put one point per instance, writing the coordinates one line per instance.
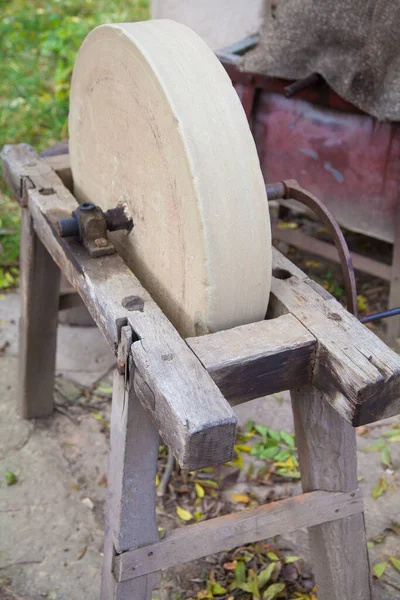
(290, 189)
(90, 224)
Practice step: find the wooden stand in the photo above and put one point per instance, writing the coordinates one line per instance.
(340, 375)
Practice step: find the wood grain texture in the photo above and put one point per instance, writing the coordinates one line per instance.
(255, 360)
(222, 533)
(155, 122)
(39, 293)
(187, 407)
(131, 495)
(327, 450)
(358, 372)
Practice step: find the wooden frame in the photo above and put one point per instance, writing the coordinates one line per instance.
(340, 375)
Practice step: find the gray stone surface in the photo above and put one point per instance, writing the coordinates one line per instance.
(82, 353)
(44, 523)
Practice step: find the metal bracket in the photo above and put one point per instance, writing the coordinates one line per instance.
(90, 225)
(124, 348)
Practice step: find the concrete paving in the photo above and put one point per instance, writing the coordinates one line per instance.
(50, 533)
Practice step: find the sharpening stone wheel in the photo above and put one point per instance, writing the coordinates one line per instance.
(155, 122)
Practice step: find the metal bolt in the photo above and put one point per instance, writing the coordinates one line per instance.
(101, 242)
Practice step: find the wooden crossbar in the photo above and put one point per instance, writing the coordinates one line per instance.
(223, 533)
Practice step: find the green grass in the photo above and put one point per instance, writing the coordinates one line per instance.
(38, 45)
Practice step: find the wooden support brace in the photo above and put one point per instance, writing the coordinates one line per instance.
(131, 499)
(39, 285)
(222, 533)
(255, 360)
(326, 445)
(359, 374)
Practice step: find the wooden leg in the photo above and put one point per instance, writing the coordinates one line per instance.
(40, 283)
(131, 501)
(327, 453)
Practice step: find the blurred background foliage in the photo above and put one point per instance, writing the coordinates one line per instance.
(38, 45)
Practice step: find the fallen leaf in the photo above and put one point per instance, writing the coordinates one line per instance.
(241, 498)
(391, 433)
(375, 447)
(81, 553)
(287, 225)
(379, 569)
(312, 264)
(380, 488)
(216, 588)
(385, 457)
(200, 493)
(272, 556)
(292, 559)
(362, 304)
(243, 447)
(273, 590)
(240, 572)
(88, 503)
(395, 562)
(106, 390)
(265, 575)
(10, 477)
(184, 514)
(362, 430)
(102, 482)
(230, 566)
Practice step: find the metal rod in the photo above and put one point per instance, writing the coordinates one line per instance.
(381, 315)
(301, 84)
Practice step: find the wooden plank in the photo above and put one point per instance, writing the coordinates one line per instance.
(39, 287)
(131, 496)
(189, 411)
(222, 533)
(327, 450)
(255, 360)
(358, 372)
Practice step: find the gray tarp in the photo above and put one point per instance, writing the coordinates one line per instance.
(353, 44)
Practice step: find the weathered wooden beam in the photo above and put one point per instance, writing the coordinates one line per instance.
(255, 360)
(222, 533)
(327, 450)
(187, 407)
(39, 287)
(359, 374)
(131, 495)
